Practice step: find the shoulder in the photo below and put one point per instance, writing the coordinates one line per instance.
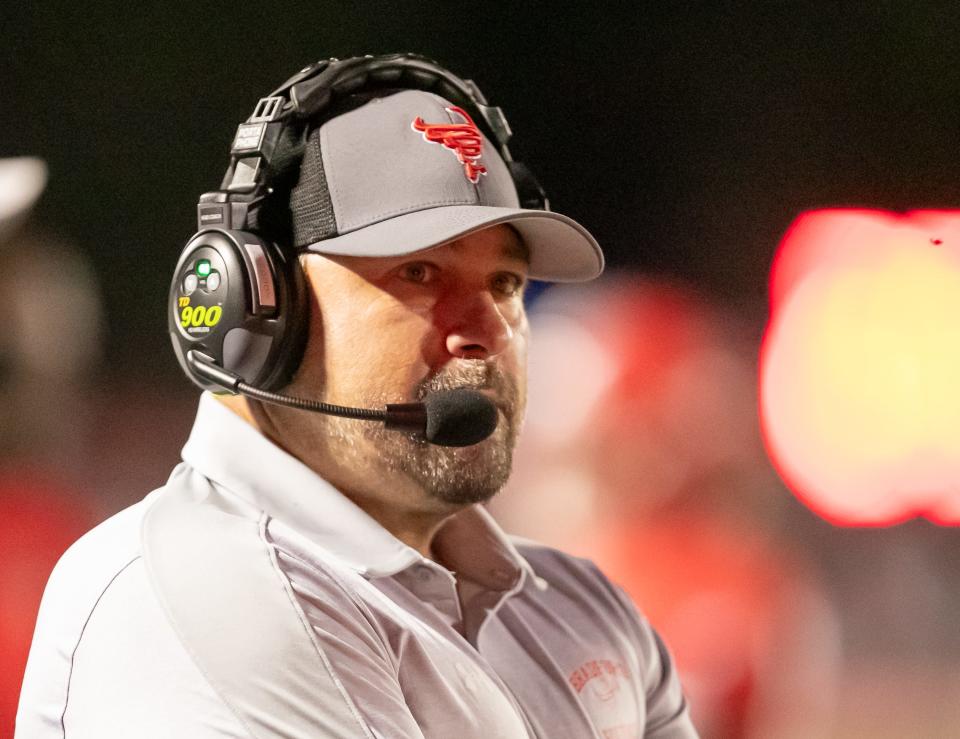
(596, 620)
(92, 564)
(597, 609)
(83, 574)
(74, 589)
(102, 643)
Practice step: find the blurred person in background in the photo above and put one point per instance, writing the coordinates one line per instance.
(306, 576)
(48, 346)
(656, 469)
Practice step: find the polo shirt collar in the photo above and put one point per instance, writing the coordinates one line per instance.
(230, 452)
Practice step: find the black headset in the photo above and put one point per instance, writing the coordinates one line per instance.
(238, 307)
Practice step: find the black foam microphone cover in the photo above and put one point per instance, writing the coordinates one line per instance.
(459, 417)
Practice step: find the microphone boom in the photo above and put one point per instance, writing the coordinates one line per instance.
(457, 417)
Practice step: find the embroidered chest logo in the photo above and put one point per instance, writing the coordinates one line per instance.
(605, 689)
(463, 139)
(604, 672)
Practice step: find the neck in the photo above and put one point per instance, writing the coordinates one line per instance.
(414, 525)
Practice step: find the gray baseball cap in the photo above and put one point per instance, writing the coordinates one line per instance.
(409, 172)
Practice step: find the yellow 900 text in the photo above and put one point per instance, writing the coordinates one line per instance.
(200, 316)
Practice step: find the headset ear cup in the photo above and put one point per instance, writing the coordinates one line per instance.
(252, 322)
(529, 191)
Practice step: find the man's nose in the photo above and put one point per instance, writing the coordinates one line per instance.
(479, 330)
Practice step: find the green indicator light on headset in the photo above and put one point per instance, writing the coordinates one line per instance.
(203, 267)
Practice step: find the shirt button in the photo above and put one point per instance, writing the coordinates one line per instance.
(423, 573)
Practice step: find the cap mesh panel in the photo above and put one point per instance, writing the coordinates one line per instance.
(299, 212)
(311, 211)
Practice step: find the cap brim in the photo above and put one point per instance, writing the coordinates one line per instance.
(561, 250)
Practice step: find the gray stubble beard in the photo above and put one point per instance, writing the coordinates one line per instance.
(456, 476)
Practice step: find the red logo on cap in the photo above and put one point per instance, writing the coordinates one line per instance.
(463, 139)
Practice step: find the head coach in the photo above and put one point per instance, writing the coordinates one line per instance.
(321, 564)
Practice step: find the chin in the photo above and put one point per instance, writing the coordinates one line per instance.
(466, 475)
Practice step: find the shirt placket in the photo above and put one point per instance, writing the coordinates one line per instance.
(436, 586)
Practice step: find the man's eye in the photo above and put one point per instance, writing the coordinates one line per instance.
(508, 283)
(418, 272)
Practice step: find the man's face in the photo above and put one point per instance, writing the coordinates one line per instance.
(390, 330)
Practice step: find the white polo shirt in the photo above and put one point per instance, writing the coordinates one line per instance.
(247, 597)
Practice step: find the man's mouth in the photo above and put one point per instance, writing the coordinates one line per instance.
(484, 389)
(475, 375)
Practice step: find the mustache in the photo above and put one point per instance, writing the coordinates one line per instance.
(474, 374)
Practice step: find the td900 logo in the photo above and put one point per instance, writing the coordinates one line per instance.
(198, 319)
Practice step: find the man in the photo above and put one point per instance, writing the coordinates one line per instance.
(302, 575)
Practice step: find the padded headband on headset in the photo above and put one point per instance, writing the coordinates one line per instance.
(317, 87)
(265, 137)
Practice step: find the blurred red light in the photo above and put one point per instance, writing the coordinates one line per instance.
(859, 401)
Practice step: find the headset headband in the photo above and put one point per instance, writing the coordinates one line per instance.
(314, 89)
(318, 86)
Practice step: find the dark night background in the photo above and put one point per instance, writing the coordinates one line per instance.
(685, 137)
